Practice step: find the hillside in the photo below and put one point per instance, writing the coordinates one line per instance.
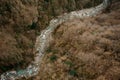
(84, 49)
(81, 49)
(21, 21)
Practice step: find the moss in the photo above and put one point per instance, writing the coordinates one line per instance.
(69, 63)
(73, 72)
(53, 58)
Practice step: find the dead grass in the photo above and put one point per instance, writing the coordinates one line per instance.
(16, 38)
(86, 49)
(21, 21)
(14, 52)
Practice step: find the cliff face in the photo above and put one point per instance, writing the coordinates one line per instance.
(22, 20)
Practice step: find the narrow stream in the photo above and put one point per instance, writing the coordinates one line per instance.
(42, 41)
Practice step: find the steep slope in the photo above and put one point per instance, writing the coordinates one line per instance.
(30, 26)
(84, 49)
(20, 22)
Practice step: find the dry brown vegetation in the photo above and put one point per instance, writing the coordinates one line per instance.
(84, 49)
(16, 37)
(95, 55)
(22, 20)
